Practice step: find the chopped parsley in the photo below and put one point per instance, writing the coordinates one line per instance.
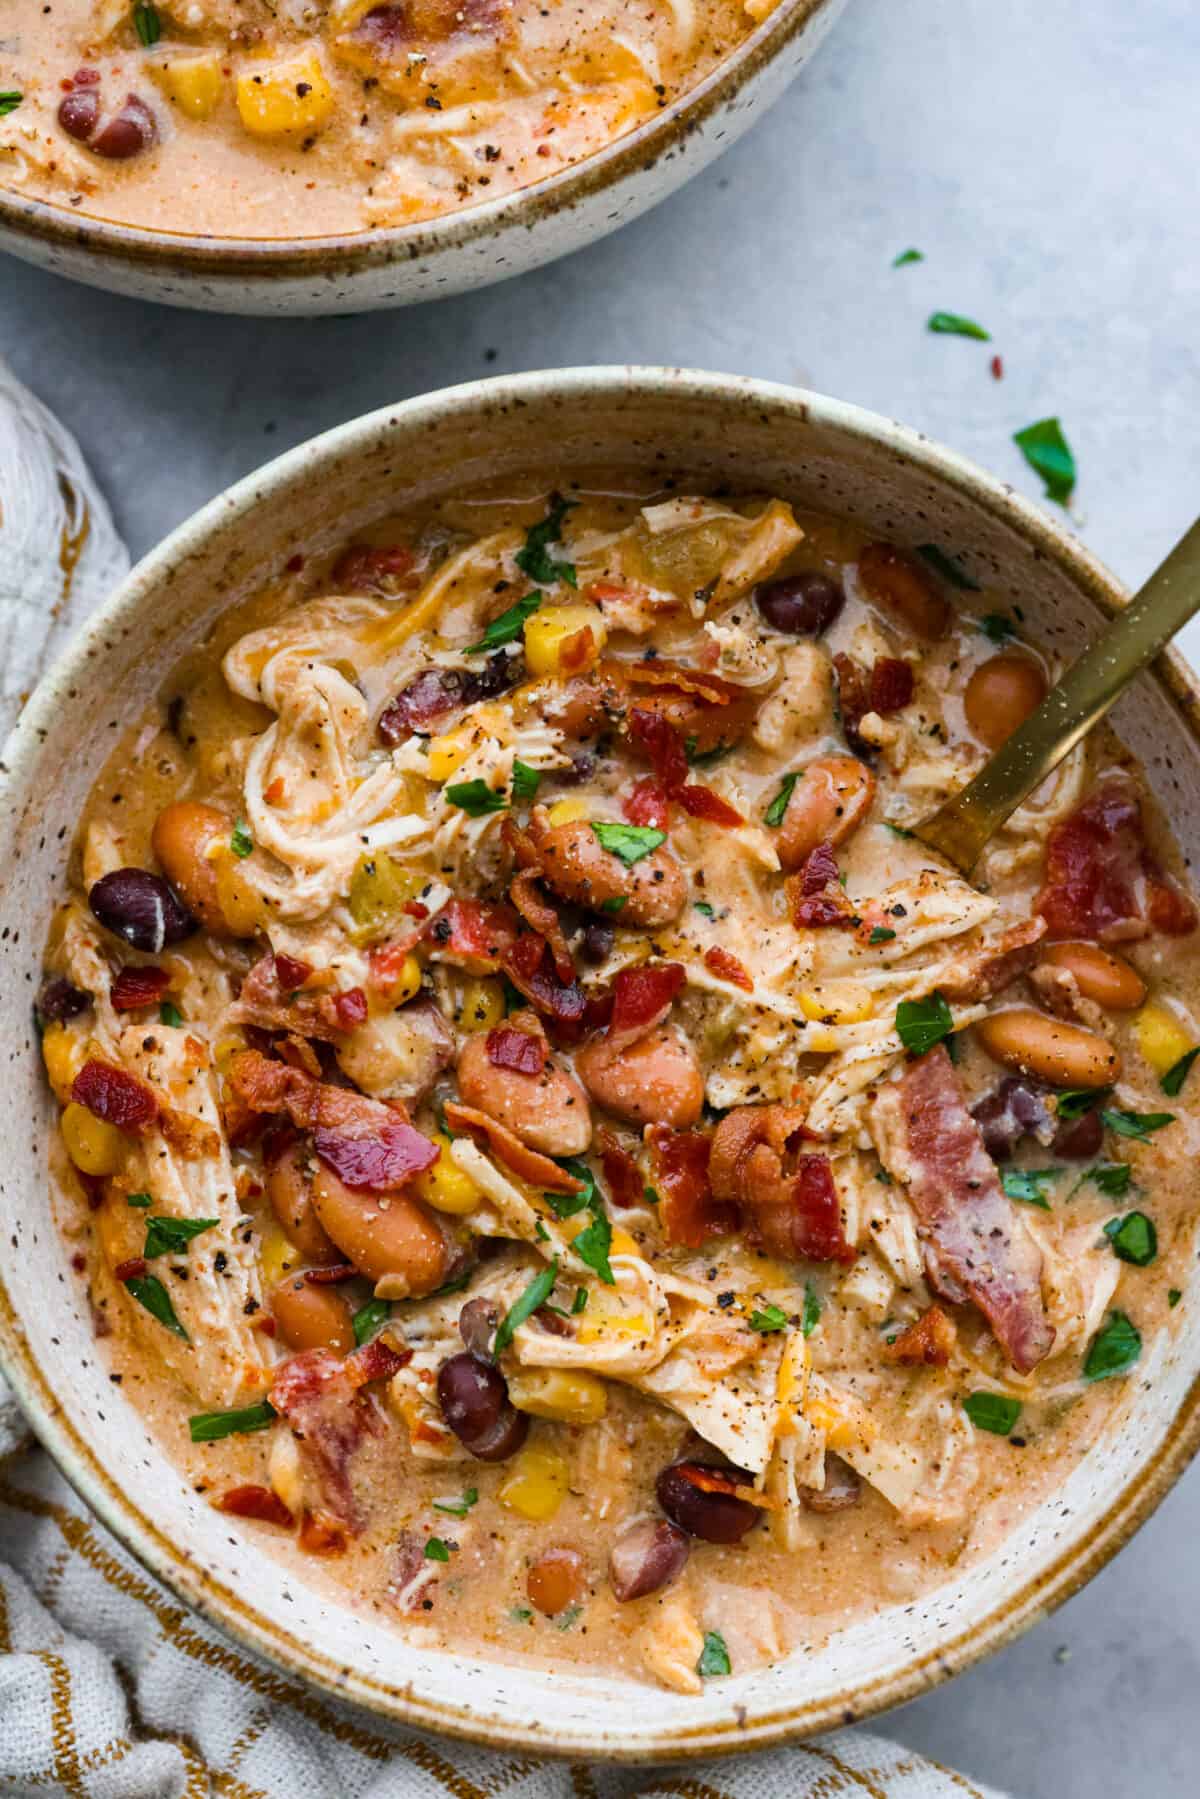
(437, 1550)
(525, 780)
(536, 1294)
(947, 567)
(897, 830)
(922, 1023)
(1047, 451)
(1114, 1349)
(508, 627)
(779, 805)
(629, 842)
(458, 1508)
(1174, 1297)
(1133, 1238)
(149, 1292)
(169, 1014)
(810, 1317)
(210, 1427)
(475, 798)
(1138, 1125)
(141, 1200)
(714, 1657)
(881, 934)
(1027, 1185)
(996, 1412)
(997, 626)
(1177, 1074)
(370, 1319)
(241, 842)
(767, 1319)
(579, 1303)
(568, 1616)
(565, 1205)
(520, 1614)
(616, 904)
(1112, 1178)
(1073, 1102)
(10, 101)
(699, 758)
(146, 23)
(166, 1236)
(907, 256)
(535, 559)
(955, 325)
(594, 1242)
(704, 909)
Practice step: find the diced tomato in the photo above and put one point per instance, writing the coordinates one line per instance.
(474, 934)
(135, 987)
(688, 1212)
(522, 1051)
(256, 1502)
(727, 968)
(116, 1096)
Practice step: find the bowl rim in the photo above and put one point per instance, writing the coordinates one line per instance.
(231, 1612)
(352, 253)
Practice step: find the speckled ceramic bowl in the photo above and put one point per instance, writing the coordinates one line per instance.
(480, 244)
(709, 429)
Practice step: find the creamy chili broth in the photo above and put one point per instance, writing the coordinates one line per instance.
(549, 1149)
(243, 118)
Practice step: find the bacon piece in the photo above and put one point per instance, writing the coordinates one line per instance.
(116, 1096)
(702, 802)
(790, 1200)
(265, 1003)
(318, 1397)
(298, 1052)
(815, 894)
(529, 1165)
(541, 917)
(975, 1244)
(350, 1008)
(662, 746)
(376, 1360)
(661, 673)
(689, 1212)
(885, 687)
(376, 1164)
(642, 997)
(727, 968)
(622, 1176)
(1101, 881)
(474, 935)
(529, 966)
(372, 568)
(522, 1051)
(647, 803)
(134, 987)
(983, 972)
(321, 1534)
(929, 1342)
(256, 1502)
(291, 972)
(132, 1270)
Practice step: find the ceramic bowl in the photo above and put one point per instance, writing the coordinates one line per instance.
(367, 270)
(708, 429)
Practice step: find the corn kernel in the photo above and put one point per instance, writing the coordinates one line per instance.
(387, 995)
(193, 83)
(481, 1005)
(605, 1317)
(277, 1256)
(445, 1186)
(380, 888)
(291, 98)
(571, 1396)
(93, 1145)
(1161, 1037)
(448, 753)
(622, 1243)
(62, 1052)
(844, 1426)
(840, 1002)
(537, 1485)
(568, 812)
(550, 627)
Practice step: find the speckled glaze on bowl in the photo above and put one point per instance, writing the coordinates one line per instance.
(708, 429)
(472, 247)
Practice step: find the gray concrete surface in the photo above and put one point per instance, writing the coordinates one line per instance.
(1043, 155)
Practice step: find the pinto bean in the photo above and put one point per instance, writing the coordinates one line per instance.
(895, 581)
(474, 1399)
(556, 1580)
(1000, 695)
(646, 1556)
(312, 1317)
(1034, 1043)
(828, 802)
(385, 1235)
(1100, 976)
(579, 869)
(657, 1080)
(183, 838)
(714, 1516)
(548, 1111)
(289, 1189)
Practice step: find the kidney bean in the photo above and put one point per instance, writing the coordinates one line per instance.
(475, 1404)
(1013, 1109)
(646, 1556)
(141, 908)
(555, 1581)
(842, 1488)
(803, 605)
(79, 113)
(128, 133)
(59, 1000)
(477, 1326)
(1079, 1139)
(716, 1517)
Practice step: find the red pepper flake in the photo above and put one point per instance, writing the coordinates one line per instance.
(292, 972)
(576, 651)
(264, 1323)
(521, 1051)
(134, 987)
(256, 1502)
(350, 1009)
(416, 910)
(727, 968)
(115, 1096)
(330, 1277)
(997, 367)
(132, 1270)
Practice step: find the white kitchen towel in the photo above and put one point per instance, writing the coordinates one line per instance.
(109, 1687)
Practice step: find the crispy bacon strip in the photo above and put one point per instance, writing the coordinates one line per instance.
(622, 1176)
(1101, 881)
(527, 1164)
(529, 966)
(790, 1200)
(726, 967)
(138, 986)
(929, 1342)
(256, 1502)
(541, 917)
(368, 1145)
(524, 1052)
(331, 1420)
(475, 935)
(983, 972)
(688, 1210)
(976, 1246)
(661, 673)
(642, 997)
(264, 1001)
(815, 894)
(116, 1096)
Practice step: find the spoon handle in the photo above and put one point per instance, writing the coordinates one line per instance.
(960, 828)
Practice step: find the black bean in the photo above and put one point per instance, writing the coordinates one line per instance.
(475, 1404)
(59, 999)
(802, 605)
(646, 1556)
(141, 908)
(716, 1517)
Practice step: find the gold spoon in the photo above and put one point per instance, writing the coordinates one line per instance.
(959, 829)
